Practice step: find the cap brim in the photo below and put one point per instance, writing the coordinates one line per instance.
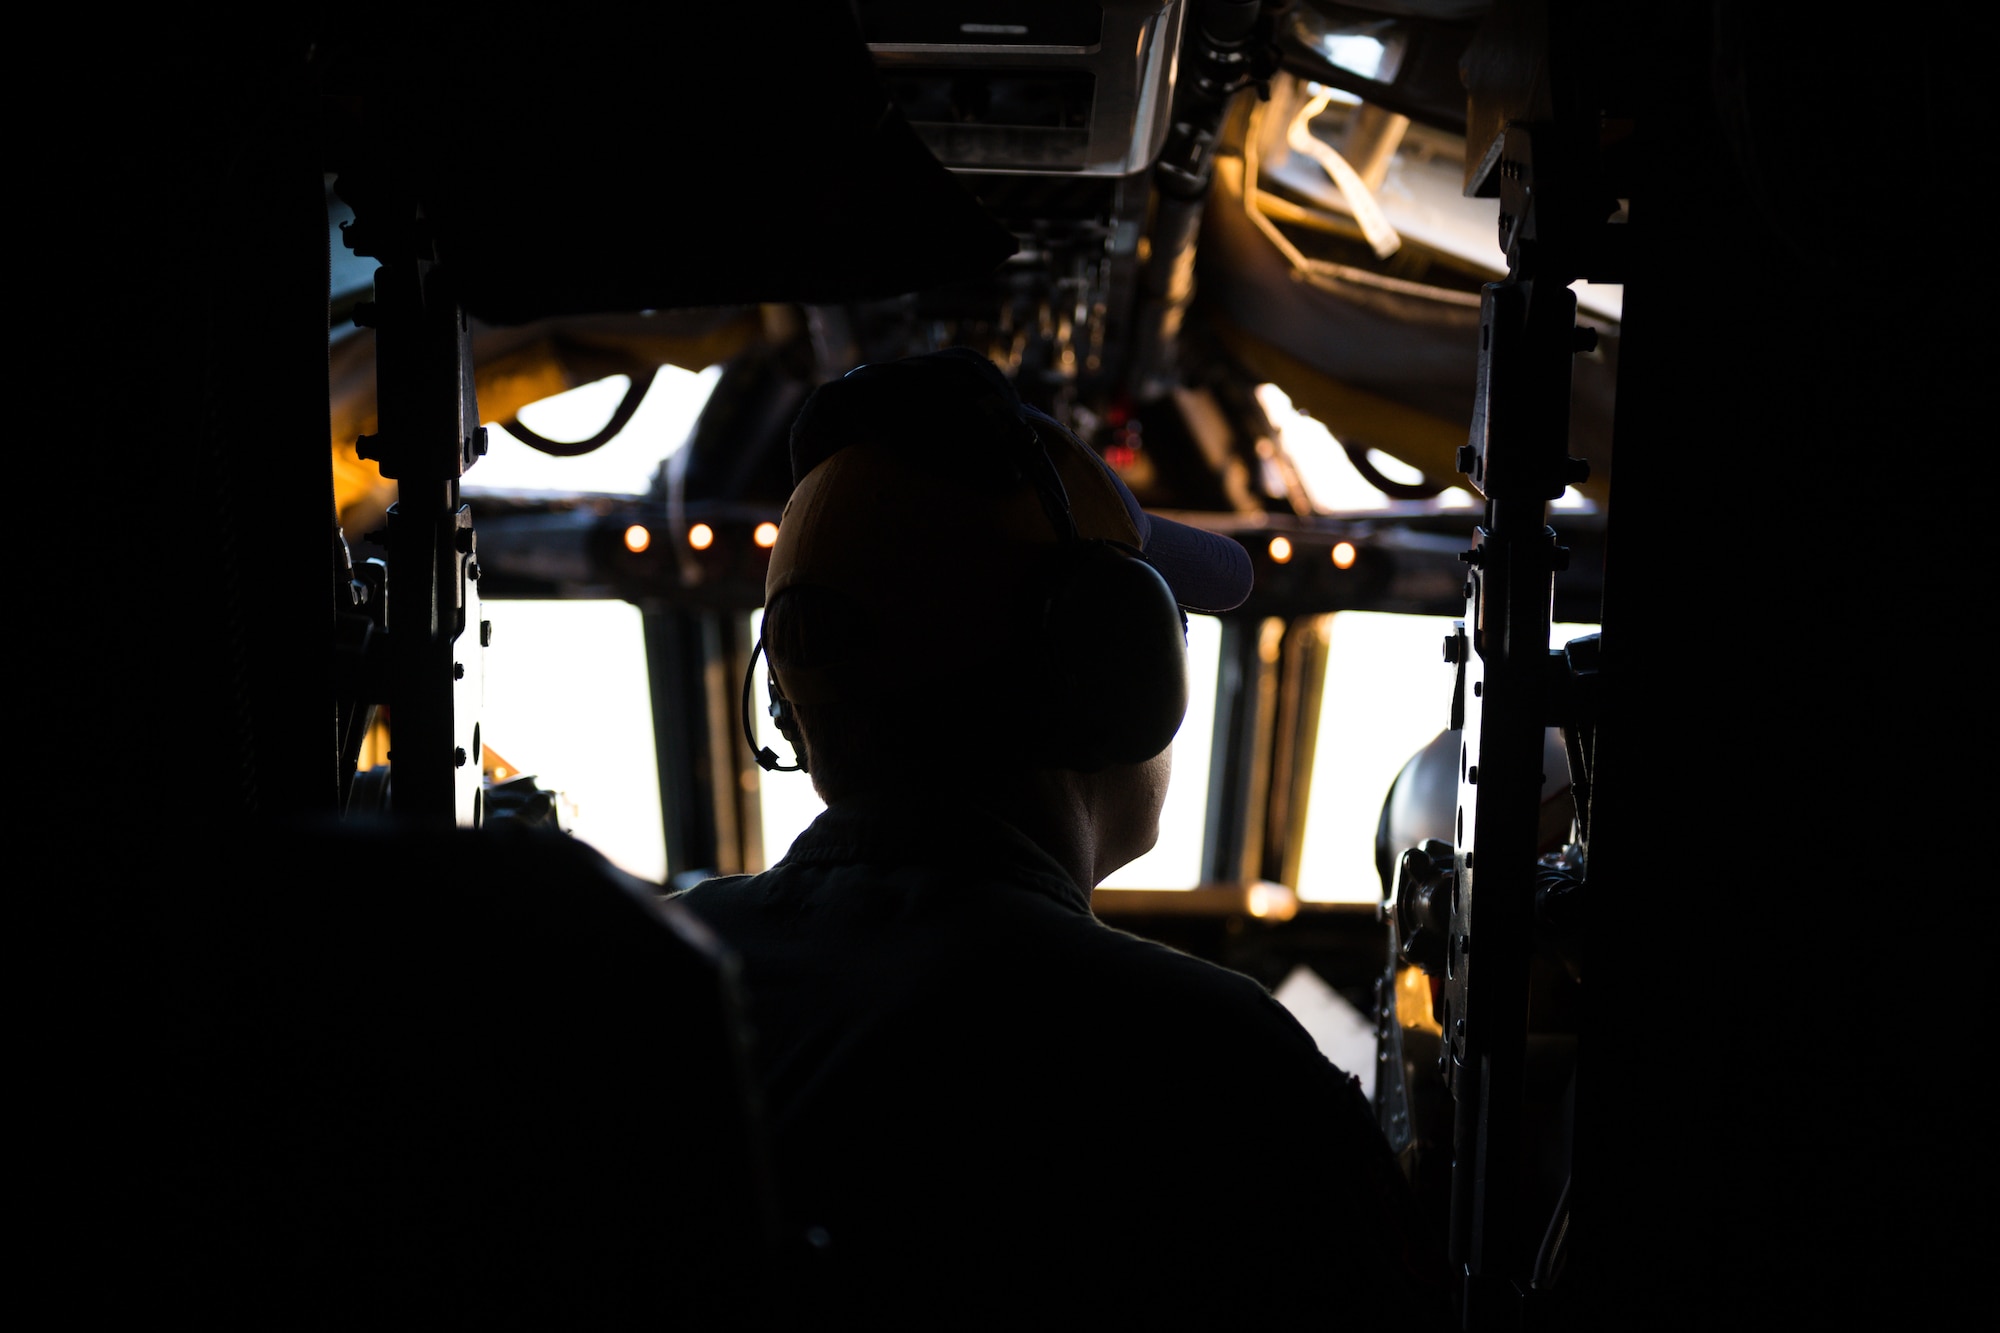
(1207, 571)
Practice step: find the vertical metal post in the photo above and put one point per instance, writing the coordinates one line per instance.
(1516, 457)
(429, 435)
(1301, 692)
(680, 733)
(709, 799)
(1240, 754)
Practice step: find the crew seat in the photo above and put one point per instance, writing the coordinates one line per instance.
(442, 1078)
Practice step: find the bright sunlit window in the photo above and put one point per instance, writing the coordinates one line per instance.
(1333, 484)
(1388, 693)
(1175, 861)
(623, 465)
(567, 700)
(790, 803)
(566, 691)
(1359, 53)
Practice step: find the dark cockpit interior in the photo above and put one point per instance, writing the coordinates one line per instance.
(363, 1037)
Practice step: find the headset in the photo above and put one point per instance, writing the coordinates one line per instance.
(781, 714)
(1107, 660)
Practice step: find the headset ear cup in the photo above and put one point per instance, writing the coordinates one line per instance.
(1115, 653)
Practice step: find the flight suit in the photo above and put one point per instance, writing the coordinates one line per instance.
(989, 1106)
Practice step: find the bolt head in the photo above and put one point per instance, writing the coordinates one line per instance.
(485, 634)
(458, 671)
(458, 757)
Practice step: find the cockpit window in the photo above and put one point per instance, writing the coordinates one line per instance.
(1372, 49)
(1388, 693)
(1331, 481)
(567, 700)
(626, 464)
(1175, 861)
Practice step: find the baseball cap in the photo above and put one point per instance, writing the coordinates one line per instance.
(912, 491)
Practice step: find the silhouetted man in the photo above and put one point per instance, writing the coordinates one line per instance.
(990, 1107)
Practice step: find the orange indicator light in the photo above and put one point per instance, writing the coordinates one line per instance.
(1343, 555)
(701, 536)
(637, 539)
(766, 535)
(1272, 901)
(1281, 549)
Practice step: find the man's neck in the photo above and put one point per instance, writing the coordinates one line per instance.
(1090, 824)
(1052, 811)
(1049, 808)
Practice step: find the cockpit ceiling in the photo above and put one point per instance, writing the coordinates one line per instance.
(644, 201)
(679, 156)
(753, 137)
(1031, 86)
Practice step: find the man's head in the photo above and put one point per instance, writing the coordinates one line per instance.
(957, 576)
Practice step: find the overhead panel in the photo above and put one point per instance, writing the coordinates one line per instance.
(1030, 86)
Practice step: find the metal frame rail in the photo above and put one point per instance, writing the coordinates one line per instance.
(429, 434)
(1559, 216)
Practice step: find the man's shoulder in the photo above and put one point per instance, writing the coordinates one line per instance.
(1164, 971)
(1200, 1002)
(1013, 923)
(709, 890)
(721, 895)
(978, 949)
